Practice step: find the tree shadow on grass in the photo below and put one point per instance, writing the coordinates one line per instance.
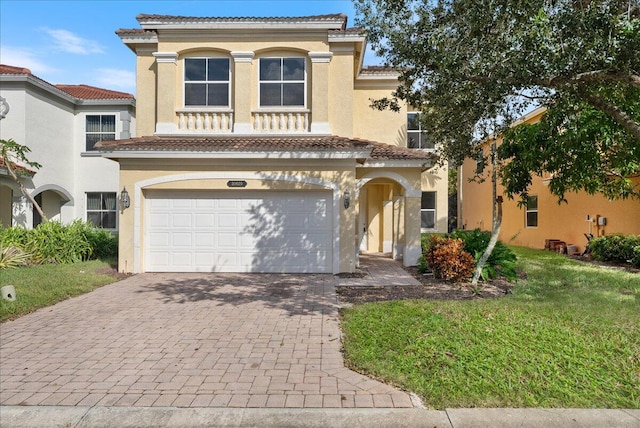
(299, 294)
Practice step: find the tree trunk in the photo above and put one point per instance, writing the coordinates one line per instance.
(24, 191)
(497, 218)
(497, 223)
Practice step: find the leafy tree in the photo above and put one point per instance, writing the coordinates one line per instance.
(474, 66)
(10, 151)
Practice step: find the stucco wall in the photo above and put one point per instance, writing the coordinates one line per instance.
(566, 221)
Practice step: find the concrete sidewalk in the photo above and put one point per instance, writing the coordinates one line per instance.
(94, 417)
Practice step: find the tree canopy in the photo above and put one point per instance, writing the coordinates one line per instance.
(472, 67)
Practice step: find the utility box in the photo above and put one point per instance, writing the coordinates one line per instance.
(602, 221)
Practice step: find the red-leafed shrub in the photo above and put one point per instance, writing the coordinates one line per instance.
(448, 260)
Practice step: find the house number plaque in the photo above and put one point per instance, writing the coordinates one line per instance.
(236, 183)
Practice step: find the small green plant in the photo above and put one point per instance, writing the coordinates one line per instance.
(11, 257)
(502, 261)
(448, 259)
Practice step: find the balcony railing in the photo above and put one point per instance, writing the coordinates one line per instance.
(280, 121)
(205, 120)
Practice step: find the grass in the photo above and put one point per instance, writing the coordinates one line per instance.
(44, 285)
(568, 336)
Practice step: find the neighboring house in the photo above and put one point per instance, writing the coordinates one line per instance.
(61, 124)
(542, 218)
(259, 152)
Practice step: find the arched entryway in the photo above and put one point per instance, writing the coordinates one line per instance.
(388, 216)
(51, 198)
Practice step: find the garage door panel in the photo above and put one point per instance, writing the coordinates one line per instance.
(228, 221)
(220, 232)
(204, 220)
(205, 240)
(227, 240)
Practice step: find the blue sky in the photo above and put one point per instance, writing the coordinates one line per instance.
(74, 42)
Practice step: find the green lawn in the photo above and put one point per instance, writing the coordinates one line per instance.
(43, 285)
(568, 336)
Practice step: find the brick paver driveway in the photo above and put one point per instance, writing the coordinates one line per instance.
(188, 340)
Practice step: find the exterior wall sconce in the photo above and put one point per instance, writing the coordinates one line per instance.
(347, 199)
(125, 201)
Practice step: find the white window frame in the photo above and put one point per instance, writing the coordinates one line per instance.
(530, 210)
(205, 82)
(282, 81)
(87, 210)
(419, 132)
(101, 132)
(434, 210)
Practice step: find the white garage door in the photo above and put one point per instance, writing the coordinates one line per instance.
(224, 232)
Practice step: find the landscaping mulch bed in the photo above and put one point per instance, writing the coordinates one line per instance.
(431, 288)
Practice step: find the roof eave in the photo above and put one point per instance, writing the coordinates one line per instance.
(228, 154)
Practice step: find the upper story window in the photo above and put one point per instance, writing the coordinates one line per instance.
(282, 82)
(206, 82)
(416, 137)
(99, 127)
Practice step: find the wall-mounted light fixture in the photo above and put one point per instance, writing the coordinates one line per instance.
(346, 199)
(125, 201)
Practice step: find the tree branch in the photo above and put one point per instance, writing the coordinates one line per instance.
(615, 112)
(597, 76)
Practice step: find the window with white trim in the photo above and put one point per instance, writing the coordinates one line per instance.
(416, 137)
(428, 210)
(531, 212)
(282, 82)
(99, 127)
(102, 209)
(207, 82)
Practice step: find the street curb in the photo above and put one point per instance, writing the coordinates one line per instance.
(171, 417)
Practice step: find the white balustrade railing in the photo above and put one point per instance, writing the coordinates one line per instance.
(207, 121)
(280, 121)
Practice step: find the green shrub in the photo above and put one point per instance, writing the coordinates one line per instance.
(103, 243)
(616, 248)
(448, 259)
(14, 237)
(635, 261)
(501, 262)
(53, 242)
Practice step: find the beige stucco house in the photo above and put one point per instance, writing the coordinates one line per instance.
(258, 151)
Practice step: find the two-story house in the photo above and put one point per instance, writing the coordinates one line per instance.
(542, 218)
(61, 124)
(258, 150)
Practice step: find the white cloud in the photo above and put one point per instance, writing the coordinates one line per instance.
(66, 41)
(24, 57)
(117, 79)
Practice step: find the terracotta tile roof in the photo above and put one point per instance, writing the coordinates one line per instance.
(236, 143)
(10, 69)
(135, 32)
(86, 92)
(350, 30)
(379, 151)
(388, 152)
(82, 92)
(326, 17)
(377, 69)
(19, 169)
